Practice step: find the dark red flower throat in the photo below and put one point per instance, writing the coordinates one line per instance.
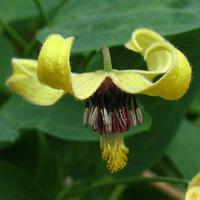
(111, 110)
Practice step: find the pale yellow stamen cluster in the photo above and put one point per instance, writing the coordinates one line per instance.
(114, 151)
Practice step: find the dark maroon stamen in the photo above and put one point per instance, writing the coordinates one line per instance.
(111, 110)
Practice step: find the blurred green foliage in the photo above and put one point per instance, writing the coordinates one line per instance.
(45, 151)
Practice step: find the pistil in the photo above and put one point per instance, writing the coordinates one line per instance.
(117, 158)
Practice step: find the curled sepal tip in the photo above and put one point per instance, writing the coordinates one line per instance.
(114, 151)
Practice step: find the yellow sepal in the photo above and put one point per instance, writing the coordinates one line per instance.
(176, 80)
(141, 39)
(193, 191)
(162, 59)
(54, 69)
(85, 85)
(54, 63)
(130, 81)
(25, 83)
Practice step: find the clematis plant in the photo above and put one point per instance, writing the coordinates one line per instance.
(111, 108)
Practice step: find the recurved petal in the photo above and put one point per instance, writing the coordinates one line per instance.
(164, 60)
(54, 69)
(54, 63)
(85, 85)
(24, 66)
(24, 82)
(142, 39)
(176, 71)
(130, 81)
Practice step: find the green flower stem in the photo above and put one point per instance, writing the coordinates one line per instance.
(133, 180)
(42, 10)
(30, 48)
(13, 33)
(117, 192)
(107, 59)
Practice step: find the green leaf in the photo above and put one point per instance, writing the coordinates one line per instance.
(184, 150)
(108, 23)
(38, 160)
(14, 184)
(22, 9)
(63, 120)
(17, 10)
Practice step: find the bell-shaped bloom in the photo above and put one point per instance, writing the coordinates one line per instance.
(193, 191)
(109, 94)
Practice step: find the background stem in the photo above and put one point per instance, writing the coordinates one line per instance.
(122, 181)
(13, 34)
(42, 10)
(107, 59)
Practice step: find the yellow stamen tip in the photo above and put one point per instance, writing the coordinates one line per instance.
(114, 151)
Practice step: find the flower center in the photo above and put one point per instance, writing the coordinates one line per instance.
(110, 110)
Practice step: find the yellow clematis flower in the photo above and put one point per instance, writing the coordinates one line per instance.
(193, 191)
(110, 104)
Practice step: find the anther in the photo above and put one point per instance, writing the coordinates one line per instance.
(110, 110)
(138, 112)
(86, 113)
